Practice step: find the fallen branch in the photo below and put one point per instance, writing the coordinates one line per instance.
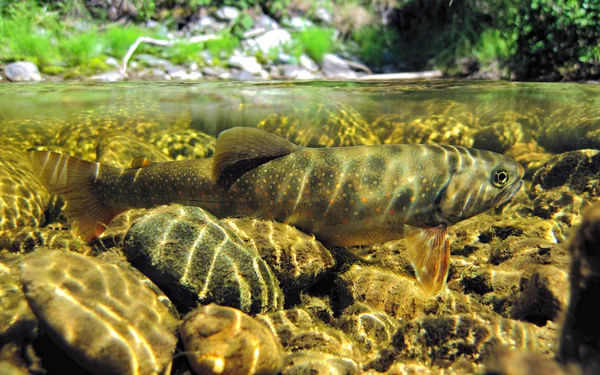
(161, 42)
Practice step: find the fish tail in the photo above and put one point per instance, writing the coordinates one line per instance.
(74, 180)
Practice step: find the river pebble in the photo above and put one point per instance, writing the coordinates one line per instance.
(223, 340)
(195, 259)
(99, 313)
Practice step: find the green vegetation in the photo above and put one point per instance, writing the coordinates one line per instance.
(537, 39)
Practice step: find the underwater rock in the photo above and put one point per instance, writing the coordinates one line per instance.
(439, 130)
(297, 259)
(399, 296)
(299, 330)
(543, 295)
(445, 340)
(577, 170)
(519, 252)
(195, 259)
(370, 328)
(119, 150)
(498, 137)
(114, 236)
(572, 127)
(516, 362)
(28, 133)
(17, 321)
(140, 120)
(306, 362)
(23, 198)
(560, 204)
(185, 144)
(530, 155)
(223, 340)
(27, 239)
(317, 125)
(99, 313)
(580, 339)
(319, 307)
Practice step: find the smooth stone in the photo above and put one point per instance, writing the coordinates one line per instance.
(297, 259)
(27, 239)
(267, 22)
(223, 340)
(104, 315)
(111, 61)
(17, 322)
(22, 71)
(399, 296)
(323, 15)
(196, 259)
(153, 61)
(308, 362)
(298, 23)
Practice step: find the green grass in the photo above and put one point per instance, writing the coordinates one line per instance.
(316, 42)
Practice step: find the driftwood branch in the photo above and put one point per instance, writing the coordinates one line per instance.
(161, 42)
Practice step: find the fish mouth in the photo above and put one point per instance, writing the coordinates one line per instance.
(508, 193)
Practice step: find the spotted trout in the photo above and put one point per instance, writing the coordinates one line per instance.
(345, 196)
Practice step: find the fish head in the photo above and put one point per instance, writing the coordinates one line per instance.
(487, 180)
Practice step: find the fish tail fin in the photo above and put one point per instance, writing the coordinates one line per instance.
(429, 253)
(74, 180)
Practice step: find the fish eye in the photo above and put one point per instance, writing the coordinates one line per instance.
(500, 177)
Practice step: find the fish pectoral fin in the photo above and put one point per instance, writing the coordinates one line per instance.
(74, 180)
(429, 253)
(141, 162)
(239, 150)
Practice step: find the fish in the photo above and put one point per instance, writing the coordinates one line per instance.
(344, 196)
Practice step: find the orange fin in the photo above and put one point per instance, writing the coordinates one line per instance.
(239, 150)
(141, 162)
(74, 180)
(429, 253)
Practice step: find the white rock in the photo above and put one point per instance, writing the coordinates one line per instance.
(22, 71)
(323, 15)
(299, 23)
(335, 67)
(246, 63)
(308, 63)
(111, 61)
(227, 13)
(108, 77)
(273, 39)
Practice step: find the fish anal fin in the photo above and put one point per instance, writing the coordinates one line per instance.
(429, 253)
(141, 162)
(239, 150)
(74, 180)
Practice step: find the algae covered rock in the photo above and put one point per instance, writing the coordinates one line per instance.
(23, 198)
(442, 341)
(439, 130)
(516, 362)
(397, 295)
(99, 313)
(580, 339)
(572, 127)
(27, 239)
(223, 340)
(306, 362)
(195, 259)
(297, 259)
(543, 295)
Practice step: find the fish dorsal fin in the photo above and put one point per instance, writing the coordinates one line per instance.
(141, 162)
(429, 253)
(240, 150)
